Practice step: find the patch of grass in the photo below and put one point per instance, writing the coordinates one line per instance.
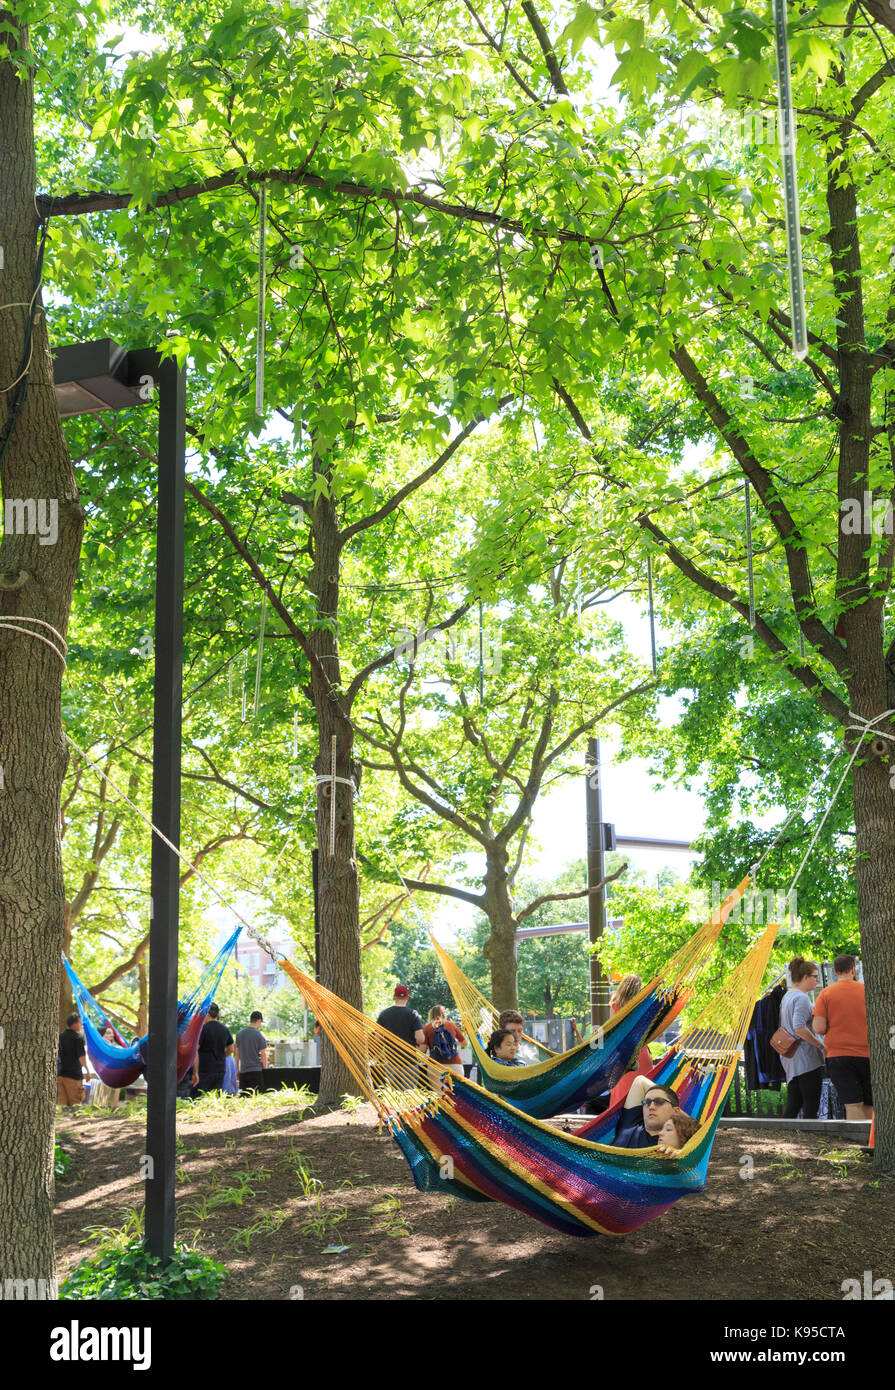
(788, 1170)
(840, 1158)
(128, 1110)
(319, 1224)
(117, 1238)
(215, 1104)
(265, 1225)
(386, 1206)
(244, 1186)
(302, 1170)
(391, 1219)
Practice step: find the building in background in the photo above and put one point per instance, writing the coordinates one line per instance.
(252, 960)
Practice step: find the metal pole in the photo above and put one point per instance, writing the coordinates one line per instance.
(315, 871)
(596, 902)
(161, 1070)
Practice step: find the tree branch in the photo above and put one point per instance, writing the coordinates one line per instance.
(563, 897)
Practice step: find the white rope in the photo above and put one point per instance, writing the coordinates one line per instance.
(864, 727)
(332, 801)
(749, 563)
(18, 304)
(815, 787)
(262, 292)
(328, 778)
(262, 940)
(260, 655)
(11, 624)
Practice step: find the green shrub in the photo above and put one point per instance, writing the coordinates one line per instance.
(132, 1273)
(61, 1161)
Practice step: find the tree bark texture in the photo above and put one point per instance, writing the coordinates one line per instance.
(36, 581)
(500, 948)
(339, 889)
(874, 810)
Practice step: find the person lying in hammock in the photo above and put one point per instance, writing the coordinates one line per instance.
(648, 1107)
(502, 1047)
(677, 1129)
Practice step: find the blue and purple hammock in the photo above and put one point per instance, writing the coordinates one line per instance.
(119, 1063)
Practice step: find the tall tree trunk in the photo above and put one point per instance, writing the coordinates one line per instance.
(36, 581)
(874, 808)
(340, 954)
(500, 948)
(862, 620)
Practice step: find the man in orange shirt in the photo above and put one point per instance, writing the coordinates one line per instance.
(840, 1018)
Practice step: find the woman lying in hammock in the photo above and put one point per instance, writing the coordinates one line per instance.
(648, 1109)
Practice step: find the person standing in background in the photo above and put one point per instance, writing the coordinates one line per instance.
(215, 1046)
(406, 1024)
(804, 1070)
(840, 1018)
(403, 1021)
(71, 1072)
(443, 1038)
(251, 1055)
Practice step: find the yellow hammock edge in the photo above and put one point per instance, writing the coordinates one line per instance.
(713, 1043)
(677, 975)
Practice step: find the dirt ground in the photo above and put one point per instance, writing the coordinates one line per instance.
(795, 1229)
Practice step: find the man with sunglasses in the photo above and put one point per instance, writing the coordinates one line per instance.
(647, 1107)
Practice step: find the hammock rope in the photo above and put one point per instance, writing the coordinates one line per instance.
(119, 1063)
(566, 1079)
(459, 1138)
(59, 645)
(247, 926)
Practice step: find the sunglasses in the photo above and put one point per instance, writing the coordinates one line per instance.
(657, 1100)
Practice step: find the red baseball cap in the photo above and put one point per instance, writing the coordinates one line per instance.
(402, 992)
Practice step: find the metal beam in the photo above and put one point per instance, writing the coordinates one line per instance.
(161, 1070)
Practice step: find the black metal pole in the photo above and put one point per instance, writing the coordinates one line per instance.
(161, 1070)
(596, 902)
(315, 858)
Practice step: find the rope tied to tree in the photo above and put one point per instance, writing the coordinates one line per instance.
(11, 624)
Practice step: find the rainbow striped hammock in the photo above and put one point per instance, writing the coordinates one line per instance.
(566, 1080)
(119, 1063)
(460, 1139)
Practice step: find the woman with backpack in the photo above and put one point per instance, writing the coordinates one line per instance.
(443, 1039)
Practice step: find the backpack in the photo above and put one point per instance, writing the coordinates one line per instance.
(444, 1045)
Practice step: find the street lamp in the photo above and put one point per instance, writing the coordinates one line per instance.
(90, 377)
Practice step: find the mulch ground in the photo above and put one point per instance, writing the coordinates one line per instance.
(795, 1229)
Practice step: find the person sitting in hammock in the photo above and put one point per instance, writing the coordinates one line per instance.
(502, 1047)
(648, 1107)
(675, 1133)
